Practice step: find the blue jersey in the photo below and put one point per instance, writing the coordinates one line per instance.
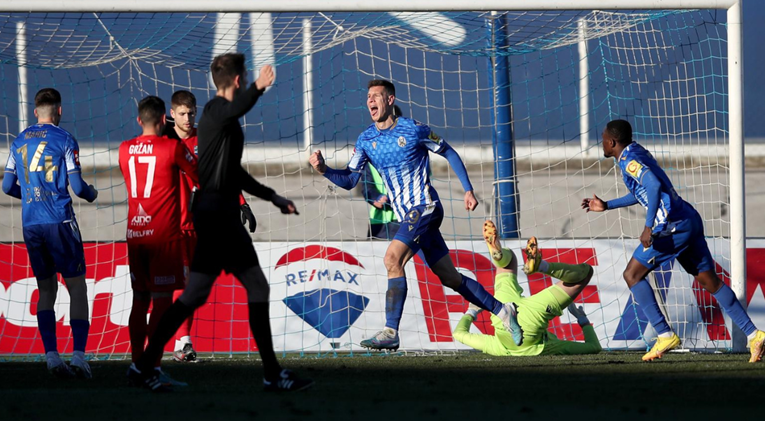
(634, 162)
(401, 156)
(41, 157)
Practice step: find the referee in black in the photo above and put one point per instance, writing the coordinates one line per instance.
(223, 243)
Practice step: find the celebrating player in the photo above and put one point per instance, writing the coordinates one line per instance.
(535, 312)
(183, 111)
(673, 229)
(151, 164)
(223, 243)
(45, 160)
(398, 148)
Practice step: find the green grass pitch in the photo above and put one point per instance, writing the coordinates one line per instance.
(465, 386)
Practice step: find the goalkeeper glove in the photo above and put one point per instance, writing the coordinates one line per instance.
(284, 204)
(579, 313)
(247, 215)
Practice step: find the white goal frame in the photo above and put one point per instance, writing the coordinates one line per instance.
(735, 64)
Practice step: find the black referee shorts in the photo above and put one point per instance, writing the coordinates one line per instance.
(222, 243)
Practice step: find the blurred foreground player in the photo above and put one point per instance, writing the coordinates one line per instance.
(223, 243)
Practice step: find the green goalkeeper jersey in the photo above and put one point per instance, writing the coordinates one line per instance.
(551, 345)
(534, 315)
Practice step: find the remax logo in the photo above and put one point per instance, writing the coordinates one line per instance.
(327, 278)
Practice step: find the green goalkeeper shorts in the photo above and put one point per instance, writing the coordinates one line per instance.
(535, 312)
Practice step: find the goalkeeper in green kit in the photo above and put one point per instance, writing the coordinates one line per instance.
(535, 312)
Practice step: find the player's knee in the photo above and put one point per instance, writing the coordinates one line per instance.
(588, 277)
(630, 278)
(47, 288)
(194, 298)
(393, 264)
(258, 293)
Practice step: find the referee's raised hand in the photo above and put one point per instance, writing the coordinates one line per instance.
(266, 77)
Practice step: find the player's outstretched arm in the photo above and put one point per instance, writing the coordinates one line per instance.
(459, 169)
(596, 204)
(474, 340)
(82, 189)
(345, 178)
(591, 343)
(244, 102)
(10, 187)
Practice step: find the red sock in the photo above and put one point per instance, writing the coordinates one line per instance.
(137, 328)
(159, 306)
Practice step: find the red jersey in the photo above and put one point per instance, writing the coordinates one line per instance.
(151, 166)
(187, 185)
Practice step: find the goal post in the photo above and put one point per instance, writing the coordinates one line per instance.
(449, 73)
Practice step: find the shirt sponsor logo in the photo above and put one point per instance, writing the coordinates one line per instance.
(139, 234)
(142, 219)
(633, 168)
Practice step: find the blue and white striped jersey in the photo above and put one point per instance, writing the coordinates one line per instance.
(41, 157)
(634, 162)
(400, 155)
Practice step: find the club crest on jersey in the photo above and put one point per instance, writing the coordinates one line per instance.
(401, 141)
(634, 168)
(374, 145)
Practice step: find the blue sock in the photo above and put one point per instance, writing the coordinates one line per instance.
(46, 321)
(395, 298)
(80, 330)
(733, 308)
(644, 297)
(477, 294)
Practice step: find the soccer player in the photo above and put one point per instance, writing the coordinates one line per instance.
(535, 312)
(399, 147)
(45, 160)
(151, 164)
(223, 243)
(183, 112)
(673, 229)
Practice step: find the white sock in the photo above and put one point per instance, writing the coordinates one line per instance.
(750, 337)
(178, 345)
(666, 334)
(390, 331)
(544, 267)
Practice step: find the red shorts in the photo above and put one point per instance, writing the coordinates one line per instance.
(157, 267)
(189, 245)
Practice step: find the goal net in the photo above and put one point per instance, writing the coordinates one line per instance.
(522, 96)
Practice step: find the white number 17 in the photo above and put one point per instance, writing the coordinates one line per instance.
(152, 161)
